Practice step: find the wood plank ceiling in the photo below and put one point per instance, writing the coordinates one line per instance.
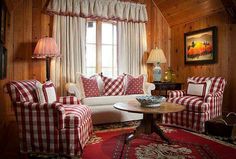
(183, 11)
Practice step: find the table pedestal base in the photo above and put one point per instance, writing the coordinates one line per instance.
(147, 126)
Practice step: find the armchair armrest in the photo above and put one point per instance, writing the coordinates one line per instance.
(148, 87)
(176, 93)
(36, 113)
(73, 89)
(68, 100)
(211, 96)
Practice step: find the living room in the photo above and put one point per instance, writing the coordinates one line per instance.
(167, 26)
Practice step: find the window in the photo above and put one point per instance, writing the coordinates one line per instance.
(101, 48)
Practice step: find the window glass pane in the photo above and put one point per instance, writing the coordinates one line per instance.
(90, 71)
(107, 71)
(91, 32)
(114, 33)
(107, 56)
(107, 33)
(90, 55)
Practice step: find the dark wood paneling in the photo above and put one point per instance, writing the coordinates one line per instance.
(183, 11)
(221, 68)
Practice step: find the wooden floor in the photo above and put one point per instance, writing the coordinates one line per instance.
(9, 144)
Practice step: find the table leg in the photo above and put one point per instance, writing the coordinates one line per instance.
(147, 126)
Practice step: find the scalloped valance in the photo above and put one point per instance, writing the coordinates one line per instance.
(104, 9)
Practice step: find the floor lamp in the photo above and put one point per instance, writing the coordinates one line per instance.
(46, 48)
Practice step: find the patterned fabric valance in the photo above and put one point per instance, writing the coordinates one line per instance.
(104, 9)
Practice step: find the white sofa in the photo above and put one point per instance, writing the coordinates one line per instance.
(102, 106)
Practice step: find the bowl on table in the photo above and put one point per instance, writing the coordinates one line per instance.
(150, 101)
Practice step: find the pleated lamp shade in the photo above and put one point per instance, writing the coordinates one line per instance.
(46, 47)
(156, 56)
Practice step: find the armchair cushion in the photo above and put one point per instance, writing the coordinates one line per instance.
(198, 88)
(49, 92)
(176, 93)
(68, 100)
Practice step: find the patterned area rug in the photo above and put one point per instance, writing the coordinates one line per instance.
(110, 143)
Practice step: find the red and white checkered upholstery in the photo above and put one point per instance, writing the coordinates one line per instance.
(113, 87)
(197, 109)
(50, 128)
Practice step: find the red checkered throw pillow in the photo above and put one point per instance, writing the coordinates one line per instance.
(134, 84)
(90, 86)
(113, 87)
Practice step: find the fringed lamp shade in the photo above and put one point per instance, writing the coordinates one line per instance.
(46, 47)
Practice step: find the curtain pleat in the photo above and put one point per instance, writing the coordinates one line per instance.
(131, 48)
(69, 33)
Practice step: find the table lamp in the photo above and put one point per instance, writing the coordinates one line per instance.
(156, 57)
(46, 48)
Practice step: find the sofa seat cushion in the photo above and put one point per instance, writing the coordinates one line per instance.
(192, 103)
(108, 100)
(76, 115)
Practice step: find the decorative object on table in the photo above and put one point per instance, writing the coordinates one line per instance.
(150, 101)
(200, 47)
(157, 57)
(168, 75)
(46, 48)
(3, 62)
(3, 13)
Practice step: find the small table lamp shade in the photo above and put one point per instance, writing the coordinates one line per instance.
(156, 57)
(46, 48)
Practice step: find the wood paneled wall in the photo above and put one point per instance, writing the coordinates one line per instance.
(221, 68)
(28, 24)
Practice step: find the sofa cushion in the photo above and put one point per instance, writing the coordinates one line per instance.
(192, 103)
(134, 84)
(90, 86)
(113, 87)
(108, 100)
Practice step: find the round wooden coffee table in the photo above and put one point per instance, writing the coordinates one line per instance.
(148, 124)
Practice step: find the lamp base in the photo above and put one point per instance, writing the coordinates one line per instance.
(157, 73)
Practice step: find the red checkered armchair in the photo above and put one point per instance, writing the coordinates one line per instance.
(197, 109)
(62, 127)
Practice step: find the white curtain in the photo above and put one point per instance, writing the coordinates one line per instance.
(131, 47)
(70, 34)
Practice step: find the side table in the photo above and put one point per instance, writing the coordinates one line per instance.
(167, 86)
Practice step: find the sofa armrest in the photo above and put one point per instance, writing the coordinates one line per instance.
(73, 90)
(148, 87)
(176, 93)
(68, 100)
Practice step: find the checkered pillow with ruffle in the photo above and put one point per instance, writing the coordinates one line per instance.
(113, 87)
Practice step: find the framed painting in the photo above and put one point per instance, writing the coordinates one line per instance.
(200, 47)
(3, 62)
